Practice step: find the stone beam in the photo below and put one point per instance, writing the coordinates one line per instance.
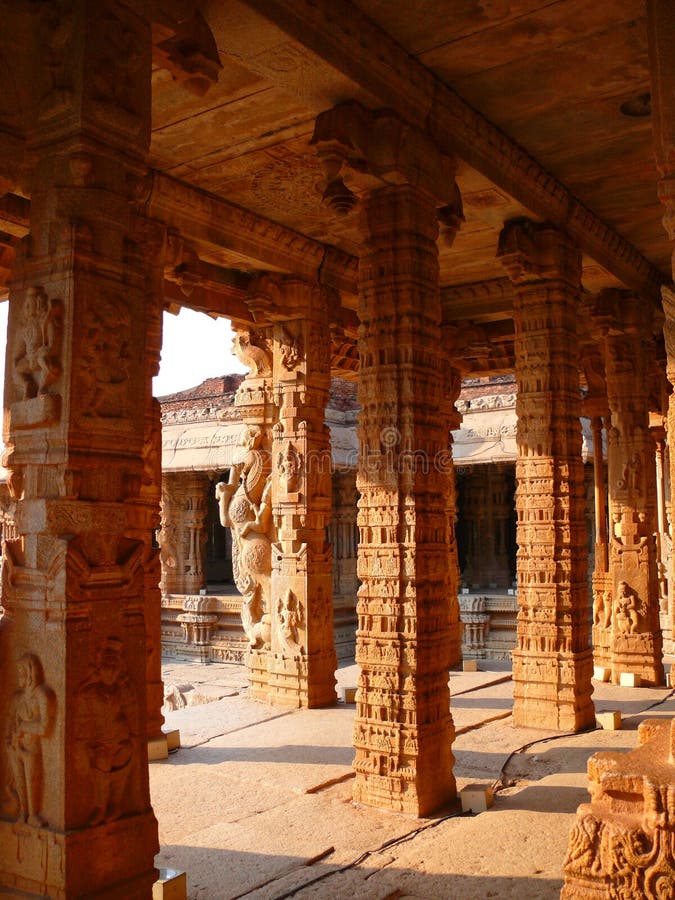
(207, 220)
(379, 72)
(480, 301)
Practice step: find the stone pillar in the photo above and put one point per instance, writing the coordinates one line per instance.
(183, 535)
(661, 35)
(344, 539)
(151, 243)
(76, 817)
(246, 502)
(301, 663)
(403, 730)
(636, 638)
(602, 589)
(553, 664)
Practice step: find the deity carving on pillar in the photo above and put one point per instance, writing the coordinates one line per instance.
(37, 362)
(106, 733)
(31, 717)
(246, 508)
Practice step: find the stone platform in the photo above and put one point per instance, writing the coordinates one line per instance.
(258, 800)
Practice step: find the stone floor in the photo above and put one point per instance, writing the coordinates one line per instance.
(257, 802)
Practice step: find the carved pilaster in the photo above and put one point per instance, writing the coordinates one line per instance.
(73, 640)
(552, 666)
(403, 730)
(302, 661)
(245, 502)
(634, 601)
(661, 35)
(182, 538)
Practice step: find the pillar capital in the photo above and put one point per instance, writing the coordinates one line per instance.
(278, 298)
(532, 252)
(375, 148)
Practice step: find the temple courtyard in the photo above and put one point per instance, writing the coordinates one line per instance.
(257, 802)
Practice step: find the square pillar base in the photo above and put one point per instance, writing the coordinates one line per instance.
(171, 885)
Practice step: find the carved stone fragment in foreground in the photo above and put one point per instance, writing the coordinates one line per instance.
(622, 842)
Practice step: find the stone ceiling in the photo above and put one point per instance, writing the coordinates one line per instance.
(537, 98)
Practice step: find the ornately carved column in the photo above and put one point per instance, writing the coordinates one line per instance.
(661, 34)
(151, 242)
(245, 502)
(301, 661)
(183, 535)
(403, 730)
(553, 664)
(636, 638)
(76, 818)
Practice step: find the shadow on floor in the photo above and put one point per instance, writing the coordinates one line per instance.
(219, 874)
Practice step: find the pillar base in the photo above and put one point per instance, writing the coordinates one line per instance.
(40, 862)
(171, 885)
(544, 692)
(158, 748)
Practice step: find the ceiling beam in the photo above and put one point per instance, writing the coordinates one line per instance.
(340, 41)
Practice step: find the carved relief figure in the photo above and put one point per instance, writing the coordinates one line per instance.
(289, 616)
(106, 732)
(105, 360)
(602, 609)
(289, 464)
(245, 507)
(289, 348)
(37, 362)
(250, 354)
(627, 609)
(31, 714)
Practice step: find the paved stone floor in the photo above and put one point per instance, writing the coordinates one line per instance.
(257, 802)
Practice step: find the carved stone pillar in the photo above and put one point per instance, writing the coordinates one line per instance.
(602, 588)
(76, 815)
(403, 730)
(301, 663)
(245, 502)
(659, 437)
(636, 638)
(151, 243)
(183, 535)
(553, 665)
(661, 34)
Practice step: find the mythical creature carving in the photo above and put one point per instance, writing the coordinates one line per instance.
(245, 508)
(252, 355)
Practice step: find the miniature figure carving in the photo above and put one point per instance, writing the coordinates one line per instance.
(289, 348)
(602, 609)
(251, 355)
(289, 615)
(289, 464)
(105, 358)
(106, 732)
(31, 716)
(245, 507)
(36, 361)
(628, 609)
